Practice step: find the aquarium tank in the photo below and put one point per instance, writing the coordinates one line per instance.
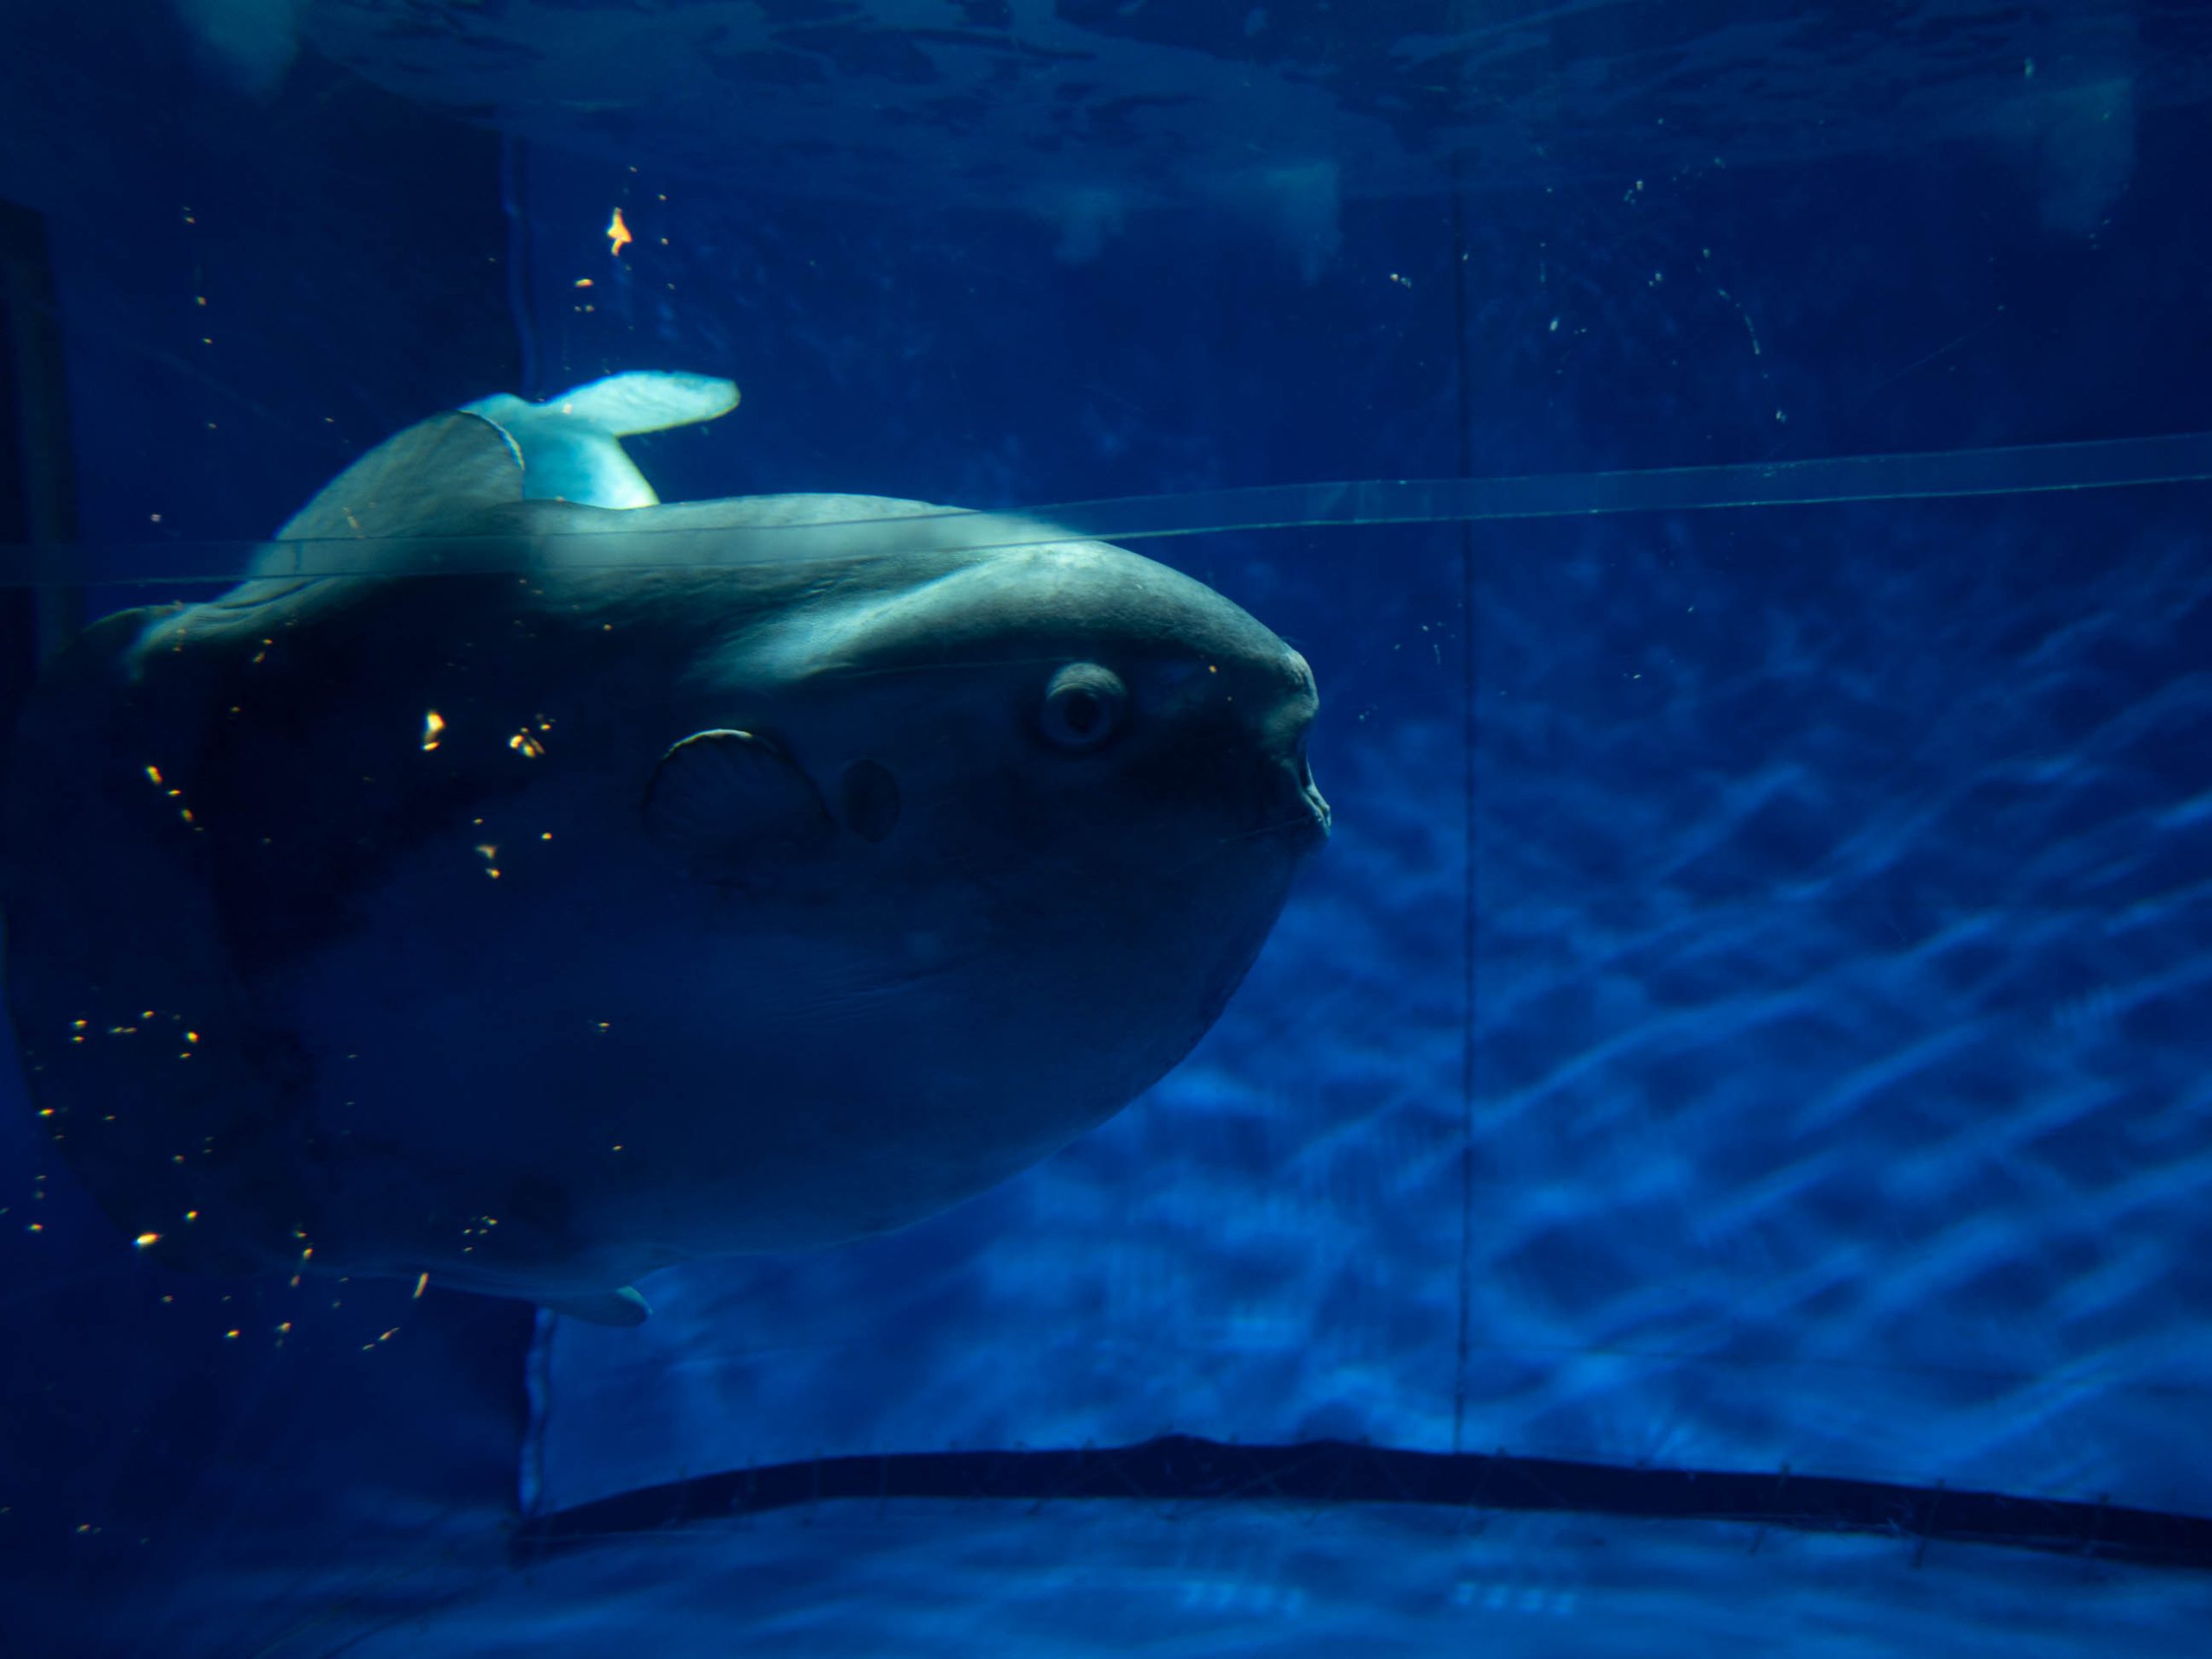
(1072, 827)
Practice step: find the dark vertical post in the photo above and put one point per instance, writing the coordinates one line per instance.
(1471, 672)
(38, 490)
(38, 487)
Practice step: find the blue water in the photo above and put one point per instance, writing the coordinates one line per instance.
(1749, 1017)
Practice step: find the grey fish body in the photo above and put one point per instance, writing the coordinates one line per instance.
(535, 931)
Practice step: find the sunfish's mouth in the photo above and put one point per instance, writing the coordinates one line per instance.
(1324, 817)
(1319, 816)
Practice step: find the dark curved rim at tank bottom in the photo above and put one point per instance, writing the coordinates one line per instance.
(1179, 1469)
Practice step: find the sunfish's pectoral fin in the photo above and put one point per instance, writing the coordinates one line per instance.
(622, 1307)
(729, 806)
(570, 445)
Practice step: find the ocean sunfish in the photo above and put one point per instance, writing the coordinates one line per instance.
(538, 892)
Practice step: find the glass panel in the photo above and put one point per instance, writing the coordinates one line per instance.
(1739, 481)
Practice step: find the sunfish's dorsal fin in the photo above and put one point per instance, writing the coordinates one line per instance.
(429, 477)
(616, 1307)
(571, 445)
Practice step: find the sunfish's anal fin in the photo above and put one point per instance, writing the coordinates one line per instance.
(646, 400)
(622, 1307)
(571, 446)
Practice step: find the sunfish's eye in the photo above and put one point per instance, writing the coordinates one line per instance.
(1084, 706)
